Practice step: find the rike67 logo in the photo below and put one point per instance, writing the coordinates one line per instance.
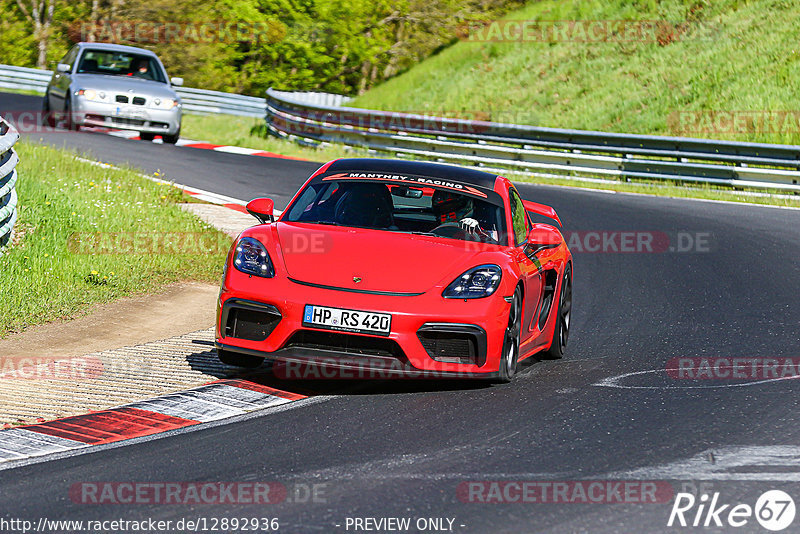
(774, 510)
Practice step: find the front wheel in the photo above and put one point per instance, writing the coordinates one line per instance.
(144, 136)
(69, 119)
(564, 314)
(239, 360)
(171, 139)
(510, 357)
(48, 119)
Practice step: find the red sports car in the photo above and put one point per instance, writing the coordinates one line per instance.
(408, 268)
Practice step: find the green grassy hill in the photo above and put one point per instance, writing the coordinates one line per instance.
(736, 56)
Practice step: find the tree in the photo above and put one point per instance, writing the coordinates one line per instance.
(39, 13)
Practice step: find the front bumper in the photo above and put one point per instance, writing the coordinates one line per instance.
(430, 336)
(127, 117)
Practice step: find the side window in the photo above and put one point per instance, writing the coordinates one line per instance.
(518, 217)
(69, 59)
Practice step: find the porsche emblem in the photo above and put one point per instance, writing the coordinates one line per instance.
(356, 279)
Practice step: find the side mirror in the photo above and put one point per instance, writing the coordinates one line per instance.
(63, 67)
(261, 209)
(176, 81)
(542, 237)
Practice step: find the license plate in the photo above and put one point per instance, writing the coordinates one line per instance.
(129, 113)
(347, 320)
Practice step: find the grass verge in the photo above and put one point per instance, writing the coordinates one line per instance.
(721, 56)
(88, 235)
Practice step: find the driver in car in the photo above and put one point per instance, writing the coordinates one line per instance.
(452, 208)
(141, 68)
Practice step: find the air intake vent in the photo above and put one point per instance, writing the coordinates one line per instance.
(346, 343)
(250, 324)
(138, 101)
(122, 99)
(454, 343)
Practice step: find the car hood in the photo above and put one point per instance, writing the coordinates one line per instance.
(382, 260)
(123, 84)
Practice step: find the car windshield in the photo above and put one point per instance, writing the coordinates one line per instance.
(400, 208)
(121, 64)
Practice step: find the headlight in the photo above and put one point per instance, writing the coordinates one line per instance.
(165, 103)
(251, 258)
(91, 94)
(478, 282)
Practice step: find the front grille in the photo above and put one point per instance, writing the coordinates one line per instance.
(122, 99)
(127, 122)
(250, 324)
(450, 347)
(347, 343)
(138, 101)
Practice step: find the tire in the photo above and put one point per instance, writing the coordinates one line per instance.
(558, 344)
(47, 116)
(510, 357)
(144, 136)
(171, 139)
(239, 360)
(69, 123)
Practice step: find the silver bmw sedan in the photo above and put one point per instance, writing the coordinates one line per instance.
(114, 86)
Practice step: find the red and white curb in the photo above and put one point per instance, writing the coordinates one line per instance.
(230, 149)
(204, 404)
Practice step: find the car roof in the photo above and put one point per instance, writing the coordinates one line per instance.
(116, 48)
(420, 168)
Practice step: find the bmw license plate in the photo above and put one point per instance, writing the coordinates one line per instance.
(130, 113)
(347, 320)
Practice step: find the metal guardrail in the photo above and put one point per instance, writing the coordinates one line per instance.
(198, 100)
(536, 150)
(8, 179)
(24, 78)
(204, 101)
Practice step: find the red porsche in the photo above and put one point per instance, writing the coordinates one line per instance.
(411, 268)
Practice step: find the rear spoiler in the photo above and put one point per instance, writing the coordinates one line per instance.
(541, 209)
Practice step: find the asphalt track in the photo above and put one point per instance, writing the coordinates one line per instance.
(401, 449)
